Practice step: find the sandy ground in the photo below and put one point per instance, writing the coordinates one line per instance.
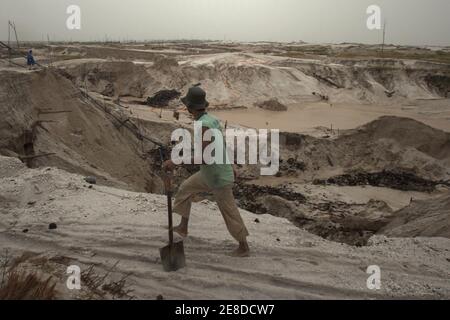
(101, 226)
(104, 225)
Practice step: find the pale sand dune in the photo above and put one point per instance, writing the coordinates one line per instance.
(103, 225)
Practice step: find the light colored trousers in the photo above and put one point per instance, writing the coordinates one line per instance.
(224, 198)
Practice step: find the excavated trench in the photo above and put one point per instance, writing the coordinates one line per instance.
(350, 223)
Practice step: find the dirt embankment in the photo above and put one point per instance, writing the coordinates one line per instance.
(422, 218)
(118, 78)
(241, 79)
(44, 113)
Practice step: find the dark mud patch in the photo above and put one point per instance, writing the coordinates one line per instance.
(339, 233)
(248, 195)
(400, 180)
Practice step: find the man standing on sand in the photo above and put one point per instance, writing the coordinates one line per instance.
(30, 59)
(215, 178)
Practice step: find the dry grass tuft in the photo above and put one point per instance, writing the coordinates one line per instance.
(19, 285)
(99, 287)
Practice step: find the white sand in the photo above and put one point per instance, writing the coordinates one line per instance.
(103, 225)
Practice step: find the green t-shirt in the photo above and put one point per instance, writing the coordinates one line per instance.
(216, 175)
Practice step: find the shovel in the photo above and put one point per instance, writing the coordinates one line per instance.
(172, 255)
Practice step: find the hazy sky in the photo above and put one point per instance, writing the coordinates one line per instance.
(416, 22)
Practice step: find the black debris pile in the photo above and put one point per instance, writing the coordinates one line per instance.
(321, 96)
(291, 166)
(292, 139)
(91, 180)
(248, 194)
(399, 180)
(337, 232)
(162, 98)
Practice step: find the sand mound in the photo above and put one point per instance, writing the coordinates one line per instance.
(422, 218)
(391, 144)
(409, 133)
(394, 143)
(119, 232)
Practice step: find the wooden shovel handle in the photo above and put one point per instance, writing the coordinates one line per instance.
(169, 207)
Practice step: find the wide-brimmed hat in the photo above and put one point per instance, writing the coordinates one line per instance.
(195, 98)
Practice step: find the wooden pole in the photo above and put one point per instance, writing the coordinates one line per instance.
(15, 33)
(9, 43)
(9, 33)
(50, 49)
(35, 156)
(50, 112)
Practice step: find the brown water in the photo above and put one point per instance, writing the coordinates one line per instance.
(304, 118)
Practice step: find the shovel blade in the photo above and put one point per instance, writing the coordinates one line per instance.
(172, 256)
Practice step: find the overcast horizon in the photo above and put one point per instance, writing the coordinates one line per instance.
(409, 22)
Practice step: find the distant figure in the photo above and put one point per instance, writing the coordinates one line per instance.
(30, 59)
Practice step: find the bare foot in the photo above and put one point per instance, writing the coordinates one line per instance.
(181, 231)
(242, 251)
